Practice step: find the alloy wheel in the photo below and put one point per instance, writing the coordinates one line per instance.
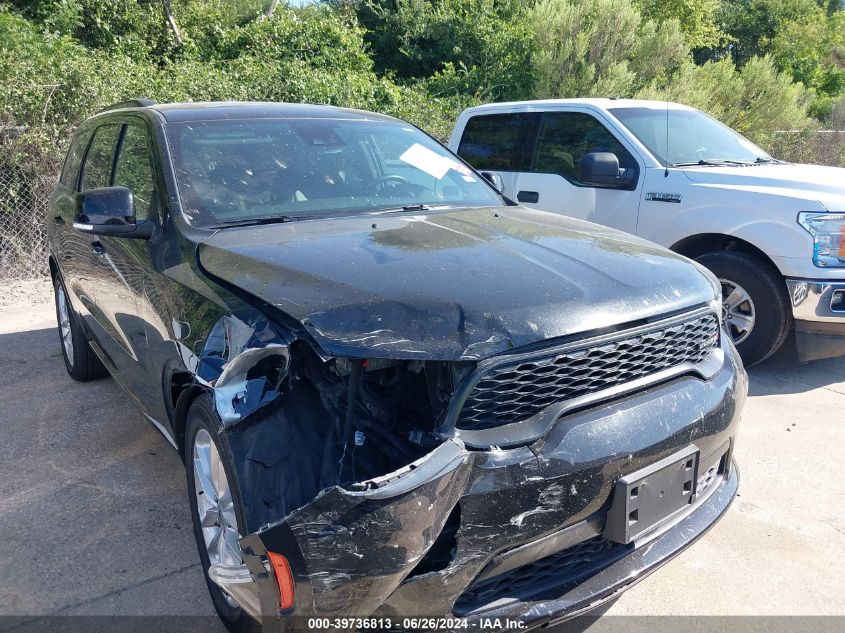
(64, 324)
(738, 311)
(215, 506)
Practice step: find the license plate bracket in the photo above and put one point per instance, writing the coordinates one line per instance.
(648, 497)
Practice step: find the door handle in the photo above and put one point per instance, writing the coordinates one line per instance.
(59, 220)
(98, 248)
(528, 196)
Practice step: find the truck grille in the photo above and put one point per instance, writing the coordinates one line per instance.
(515, 391)
(544, 579)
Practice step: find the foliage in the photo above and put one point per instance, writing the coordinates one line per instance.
(768, 62)
(805, 38)
(476, 47)
(600, 48)
(698, 19)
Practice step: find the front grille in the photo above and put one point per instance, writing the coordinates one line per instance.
(511, 392)
(544, 579)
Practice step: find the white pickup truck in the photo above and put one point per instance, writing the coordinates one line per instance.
(772, 232)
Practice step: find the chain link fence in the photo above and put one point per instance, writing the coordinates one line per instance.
(27, 177)
(819, 147)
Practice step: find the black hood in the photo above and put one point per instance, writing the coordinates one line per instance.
(452, 285)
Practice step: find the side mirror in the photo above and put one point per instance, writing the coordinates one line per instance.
(495, 180)
(602, 169)
(110, 211)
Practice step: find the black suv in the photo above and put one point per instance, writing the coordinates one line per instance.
(396, 392)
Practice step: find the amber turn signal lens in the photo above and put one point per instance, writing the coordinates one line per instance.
(284, 579)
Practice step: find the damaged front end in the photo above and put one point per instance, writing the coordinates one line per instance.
(366, 491)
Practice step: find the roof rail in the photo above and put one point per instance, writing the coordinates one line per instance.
(131, 103)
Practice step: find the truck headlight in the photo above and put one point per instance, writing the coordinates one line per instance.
(828, 231)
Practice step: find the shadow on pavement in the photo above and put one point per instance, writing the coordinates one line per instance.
(783, 374)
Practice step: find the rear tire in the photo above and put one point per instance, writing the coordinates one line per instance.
(756, 309)
(81, 362)
(202, 427)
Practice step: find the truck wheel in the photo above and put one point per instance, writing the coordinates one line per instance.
(215, 508)
(81, 362)
(755, 306)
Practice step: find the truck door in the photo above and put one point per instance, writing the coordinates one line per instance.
(500, 144)
(553, 182)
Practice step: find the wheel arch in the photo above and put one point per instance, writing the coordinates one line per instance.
(697, 245)
(185, 397)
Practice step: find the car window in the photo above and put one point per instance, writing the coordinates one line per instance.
(98, 161)
(566, 137)
(134, 170)
(242, 170)
(70, 170)
(499, 142)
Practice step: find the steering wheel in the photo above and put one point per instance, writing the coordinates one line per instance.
(384, 180)
(700, 153)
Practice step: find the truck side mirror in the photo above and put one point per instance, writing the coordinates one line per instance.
(495, 180)
(602, 169)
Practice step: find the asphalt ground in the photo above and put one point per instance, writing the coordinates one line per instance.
(94, 515)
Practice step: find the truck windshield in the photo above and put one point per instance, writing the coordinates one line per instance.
(259, 170)
(693, 137)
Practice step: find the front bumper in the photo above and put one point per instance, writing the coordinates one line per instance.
(504, 511)
(818, 307)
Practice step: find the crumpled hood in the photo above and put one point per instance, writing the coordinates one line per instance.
(809, 182)
(452, 285)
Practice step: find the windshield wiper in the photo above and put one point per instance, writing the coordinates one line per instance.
(714, 162)
(766, 159)
(270, 219)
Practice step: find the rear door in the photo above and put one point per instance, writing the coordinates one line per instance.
(554, 181)
(86, 270)
(69, 247)
(501, 144)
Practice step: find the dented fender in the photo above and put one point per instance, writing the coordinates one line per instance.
(366, 540)
(243, 363)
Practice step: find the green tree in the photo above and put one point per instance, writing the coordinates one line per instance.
(476, 47)
(698, 19)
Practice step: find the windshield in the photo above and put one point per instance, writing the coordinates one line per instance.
(242, 170)
(693, 137)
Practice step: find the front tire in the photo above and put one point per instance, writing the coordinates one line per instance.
(81, 362)
(216, 508)
(756, 308)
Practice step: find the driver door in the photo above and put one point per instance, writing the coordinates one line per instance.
(554, 184)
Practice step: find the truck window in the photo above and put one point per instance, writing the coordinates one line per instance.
(499, 142)
(134, 170)
(96, 172)
(566, 137)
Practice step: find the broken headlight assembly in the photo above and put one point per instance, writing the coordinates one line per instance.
(828, 231)
(385, 411)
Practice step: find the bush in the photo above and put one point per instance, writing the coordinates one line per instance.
(600, 48)
(480, 48)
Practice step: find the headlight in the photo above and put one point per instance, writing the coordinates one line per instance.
(828, 231)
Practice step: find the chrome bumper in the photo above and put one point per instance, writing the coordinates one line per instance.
(816, 300)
